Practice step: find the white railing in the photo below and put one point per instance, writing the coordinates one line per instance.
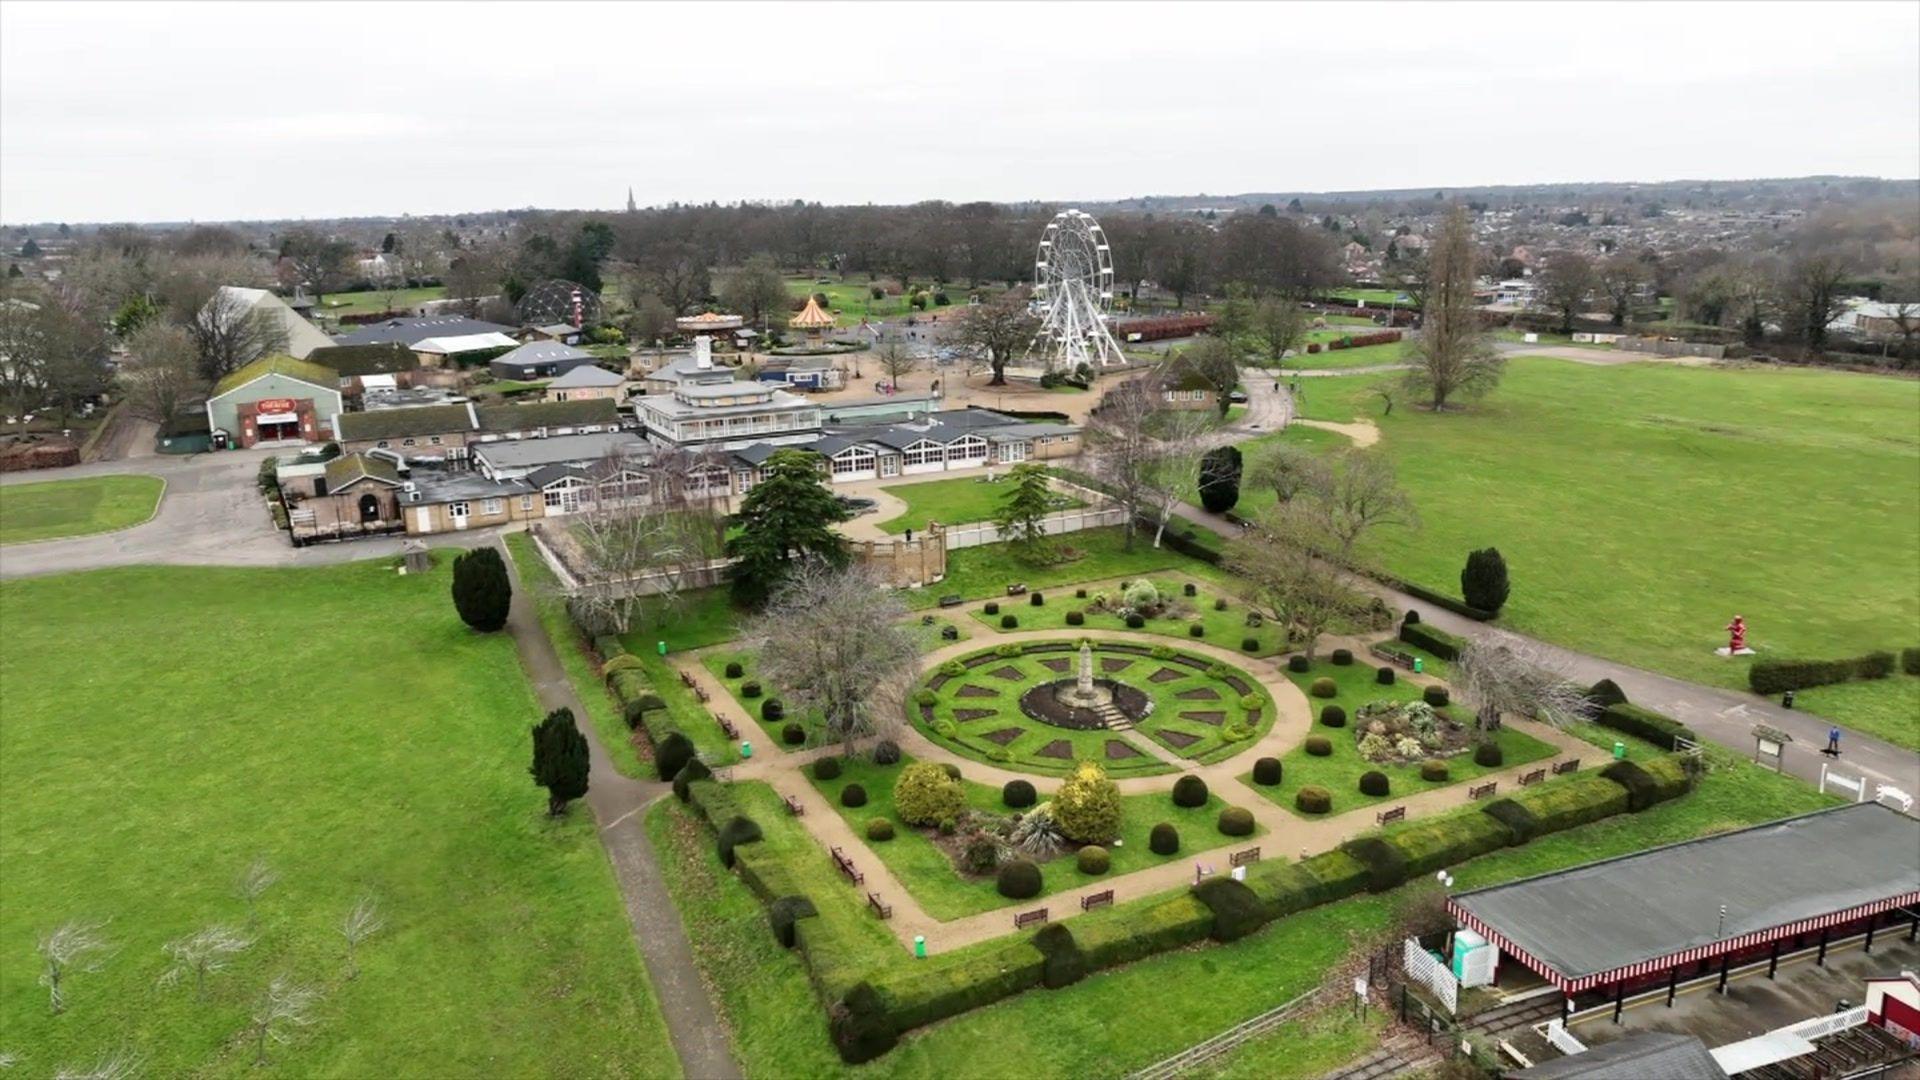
(1562, 1040)
(1854, 786)
(1055, 524)
(1822, 1026)
(1422, 968)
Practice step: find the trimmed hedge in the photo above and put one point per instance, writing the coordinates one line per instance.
(1189, 791)
(1299, 664)
(1434, 770)
(1647, 785)
(1385, 676)
(1237, 912)
(880, 829)
(1488, 755)
(692, 771)
(793, 734)
(1037, 599)
(737, 831)
(827, 768)
(1018, 879)
(1018, 794)
(1172, 923)
(1285, 888)
(1386, 864)
(1442, 600)
(671, 755)
(886, 752)
(1429, 845)
(1661, 731)
(1436, 696)
(1318, 745)
(1436, 641)
(1009, 622)
(1374, 782)
(786, 911)
(1076, 618)
(1605, 693)
(1196, 630)
(1563, 805)
(1520, 823)
(1136, 621)
(853, 795)
(734, 669)
(750, 689)
(1333, 716)
(1779, 676)
(1313, 799)
(1064, 963)
(1236, 821)
(1093, 859)
(1251, 644)
(1323, 687)
(1910, 661)
(1342, 657)
(1164, 839)
(1266, 771)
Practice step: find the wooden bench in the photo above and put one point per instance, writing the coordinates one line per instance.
(1534, 777)
(1029, 918)
(1388, 817)
(1242, 858)
(951, 600)
(726, 725)
(1099, 899)
(845, 866)
(880, 907)
(701, 693)
(1565, 767)
(1483, 790)
(686, 678)
(1392, 656)
(794, 808)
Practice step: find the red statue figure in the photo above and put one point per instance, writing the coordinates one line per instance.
(1737, 636)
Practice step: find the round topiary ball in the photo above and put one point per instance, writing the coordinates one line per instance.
(1374, 782)
(1189, 589)
(1324, 687)
(1018, 880)
(772, 710)
(1266, 771)
(1136, 621)
(1412, 617)
(1008, 622)
(1488, 755)
(1037, 600)
(950, 769)
(1319, 745)
(1076, 618)
(1164, 839)
(1251, 644)
(734, 670)
(1093, 859)
(1196, 630)
(1333, 716)
(1342, 657)
(793, 734)
(1313, 799)
(853, 795)
(1435, 696)
(886, 752)
(992, 609)
(1189, 791)
(1385, 676)
(879, 829)
(749, 690)
(1299, 664)
(1079, 594)
(827, 768)
(1219, 603)
(1434, 771)
(1236, 821)
(1018, 794)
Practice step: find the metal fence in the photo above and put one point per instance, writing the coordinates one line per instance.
(1223, 1042)
(1055, 524)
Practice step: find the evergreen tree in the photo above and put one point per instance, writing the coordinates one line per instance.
(1483, 583)
(560, 760)
(1023, 511)
(481, 591)
(787, 516)
(1220, 479)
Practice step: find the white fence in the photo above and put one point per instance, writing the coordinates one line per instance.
(1422, 968)
(1064, 521)
(1822, 1026)
(1854, 786)
(1562, 1040)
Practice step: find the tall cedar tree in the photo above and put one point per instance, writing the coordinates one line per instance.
(788, 515)
(1023, 511)
(1220, 479)
(560, 760)
(482, 594)
(1483, 582)
(1452, 357)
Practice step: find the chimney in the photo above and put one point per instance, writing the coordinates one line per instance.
(703, 352)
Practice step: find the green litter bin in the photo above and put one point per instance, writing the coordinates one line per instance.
(1419, 663)
(1619, 751)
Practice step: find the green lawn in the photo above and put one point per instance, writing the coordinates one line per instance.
(701, 617)
(56, 508)
(929, 875)
(1393, 352)
(1340, 771)
(1373, 297)
(1888, 708)
(986, 571)
(853, 300)
(1225, 627)
(958, 501)
(344, 725)
(371, 301)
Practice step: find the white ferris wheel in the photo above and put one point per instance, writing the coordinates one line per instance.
(1072, 293)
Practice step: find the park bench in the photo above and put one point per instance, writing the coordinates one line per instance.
(794, 807)
(1242, 858)
(1388, 817)
(1029, 918)
(686, 679)
(845, 866)
(1103, 898)
(1392, 656)
(726, 725)
(1483, 790)
(1016, 589)
(951, 600)
(701, 693)
(880, 908)
(1565, 767)
(1532, 778)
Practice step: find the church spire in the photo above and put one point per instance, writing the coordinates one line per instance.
(630, 206)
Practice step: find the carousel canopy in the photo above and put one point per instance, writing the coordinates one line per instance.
(708, 321)
(811, 317)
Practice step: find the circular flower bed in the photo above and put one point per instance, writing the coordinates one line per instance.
(1406, 732)
(1044, 703)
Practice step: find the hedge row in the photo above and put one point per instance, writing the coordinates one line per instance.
(1779, 676)
(640, 702)
(1441, 600)
(1657, 728)
(1436, 641)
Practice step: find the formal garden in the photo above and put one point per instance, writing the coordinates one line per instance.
(1171, 605)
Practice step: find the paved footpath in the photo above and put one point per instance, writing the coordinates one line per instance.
(699, 1036)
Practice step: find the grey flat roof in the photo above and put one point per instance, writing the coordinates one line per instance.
(534, 353)
(450, 487)
(1609, 914)
(586, 375)
(531, 453)
(411, 331)
(1657, 1055)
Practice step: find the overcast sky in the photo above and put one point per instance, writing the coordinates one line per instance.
(231, 111)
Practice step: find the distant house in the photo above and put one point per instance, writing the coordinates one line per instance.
(446, 431)
(1184, 389)
(351, 495)
(275, 399)
(457, 349)
(411, 332)
(564, 333)
(302, 336)
(585, 383)
(538, 360)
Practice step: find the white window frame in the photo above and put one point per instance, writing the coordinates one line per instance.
(491, 507)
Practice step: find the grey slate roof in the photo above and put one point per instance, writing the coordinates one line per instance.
(1609, 914)
(558, 450)
(585, 375)
(412, 331)
(539, 352)
(1656, 1055)
(411, 422)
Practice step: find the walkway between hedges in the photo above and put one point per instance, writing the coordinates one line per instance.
(617, 802)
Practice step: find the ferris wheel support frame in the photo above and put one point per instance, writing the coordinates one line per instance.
(1072, 293)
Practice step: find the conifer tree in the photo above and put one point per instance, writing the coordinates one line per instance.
(482, 593)
(560, 760)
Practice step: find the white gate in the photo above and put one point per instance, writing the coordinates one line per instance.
(1423, 968)
(1855, 787)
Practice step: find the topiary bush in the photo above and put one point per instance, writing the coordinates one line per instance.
(1250, 644)
(1236, 821)
(1319, 745)
(1434, 771)
(683, 781)
(1093, 859)
(1324, 687)
(1374, 782)
(737, 831)
(853, 795)
(1079, 594)
(734, 670)
(1435, 696)
(859, 1025)
(1065, 963)
(950, 769)
(1488, 755)
(1385, 676)
(1237, 910)
(1313, 799)
(1189, 791)
(886, 752)
(1164, 839)
(879, 829)
(1189, 589)
(1605, 693)
(827, 768)
(772, 709)
(925, 696)
(1076, 618)
(1483, 581)
(926, 795)
(749, 689)
(671, 755)
(1910, 661)
(1266, 771)
(992, 609)
(1219, 603)
(1299, 664)
(1018, 794)
(1018, 879)
(1037, 600)
(1087, 806)
(1342, 657)
(1196, 630)
(1412, 618)
(1333, 716)
(793, 734)
(1136, 621)
(786, 911)
(1008, 622)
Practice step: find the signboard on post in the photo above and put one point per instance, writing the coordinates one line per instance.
(1769, 743)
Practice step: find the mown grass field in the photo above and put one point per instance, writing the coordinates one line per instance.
(852, 301)
(51, 509)
(165, 726)
(369, 301)
(958, 501)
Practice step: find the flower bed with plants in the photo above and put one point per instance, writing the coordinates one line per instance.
(1166, 605)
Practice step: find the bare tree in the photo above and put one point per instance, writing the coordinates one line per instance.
(253, 883)
(997, 332)
(1278, 560)
(229, 334)
(1810, 293)
(1144, 453)
(1359, 494)
(361, 922)
(1452, 357)
(283, 1005)
(70, 947)
(119, 1064)
(895, 357)
(1620, 277)
(319, 262)
(1289, 471)
(1502, 674)
(832, 641)
(755, 290)
(648, 517)
(1279, 326)
(158, 374)
(1566, 279)
(202, 953)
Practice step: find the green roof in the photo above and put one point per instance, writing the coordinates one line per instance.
(349, 468)
(539, 414)
(278, 365)
(349, 360)
(405, 423)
